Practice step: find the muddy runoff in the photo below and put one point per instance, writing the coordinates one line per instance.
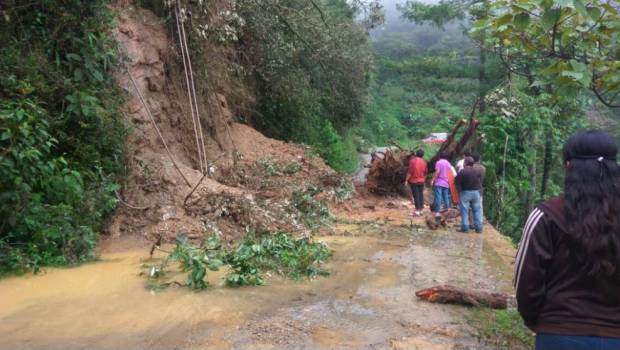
(368, 302)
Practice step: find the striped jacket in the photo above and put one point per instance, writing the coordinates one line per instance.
(554, 295)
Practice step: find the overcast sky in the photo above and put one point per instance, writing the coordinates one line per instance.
(391, 13)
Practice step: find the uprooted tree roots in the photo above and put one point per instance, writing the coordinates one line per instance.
(388, 169)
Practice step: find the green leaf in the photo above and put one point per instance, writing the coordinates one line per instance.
(578, 66)
(5, 135)
(504, 19)
(594, 12)
(580, 7)
(98, 76)
(78, 75)
(481, 23)
(550, 18)
(74, 57)
(522, 21)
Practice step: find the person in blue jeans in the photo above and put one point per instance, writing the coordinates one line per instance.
(441, 183)
(468, 181)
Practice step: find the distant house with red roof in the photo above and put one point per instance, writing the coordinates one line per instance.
(436, 138)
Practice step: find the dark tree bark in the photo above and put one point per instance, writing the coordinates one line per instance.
(482, 84)
(482, 76)
(531, 170)
(547, 159)
(452, 295)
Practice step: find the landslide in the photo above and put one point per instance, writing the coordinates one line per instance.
(254, 181)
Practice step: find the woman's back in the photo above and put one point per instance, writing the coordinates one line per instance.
(554, 294)
(567, 270)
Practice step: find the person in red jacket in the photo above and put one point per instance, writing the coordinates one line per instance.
(567, 269)
(416, 175)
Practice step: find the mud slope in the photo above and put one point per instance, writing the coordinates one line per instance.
(154, 192)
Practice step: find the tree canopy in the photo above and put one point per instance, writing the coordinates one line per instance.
(568, 44)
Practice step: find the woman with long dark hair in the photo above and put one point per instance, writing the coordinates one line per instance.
(567, 270)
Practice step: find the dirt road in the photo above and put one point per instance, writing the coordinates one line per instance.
(381, 259)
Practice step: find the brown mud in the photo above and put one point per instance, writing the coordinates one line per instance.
(368, 302)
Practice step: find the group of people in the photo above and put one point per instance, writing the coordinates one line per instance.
(462, 186)
(567, 267)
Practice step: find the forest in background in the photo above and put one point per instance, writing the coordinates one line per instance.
(430, 70)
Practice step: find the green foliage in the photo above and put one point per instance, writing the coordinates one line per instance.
(196, 261)
(278, 252)
(344, 190)
(424, 93)
(248, 261)
(338, 152)
(311, 62)
(509, 150)
(572, 45)
(502, 329)
(315, 212)
(439, 14)
(272, 168)
(60, 133)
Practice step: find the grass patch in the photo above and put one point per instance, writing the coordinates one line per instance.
(502, 329)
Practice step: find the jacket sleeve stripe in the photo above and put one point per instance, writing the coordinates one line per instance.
(525, 242)
(524, 233)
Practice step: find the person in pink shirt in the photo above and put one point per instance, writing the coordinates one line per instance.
(441, 183)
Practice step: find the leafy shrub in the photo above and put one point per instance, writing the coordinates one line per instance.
(312, 81)
(196, 261)
(337, 151)
(61, 135)
(253, 256)
(294, 258)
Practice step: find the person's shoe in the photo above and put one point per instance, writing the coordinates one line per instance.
(478, 231)
(462, 231)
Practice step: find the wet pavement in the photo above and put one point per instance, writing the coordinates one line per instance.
(368, 302)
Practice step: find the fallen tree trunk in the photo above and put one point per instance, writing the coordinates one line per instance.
(447, 294)
(388, 169)
(444, 146)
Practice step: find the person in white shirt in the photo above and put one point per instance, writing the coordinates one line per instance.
(461, 163)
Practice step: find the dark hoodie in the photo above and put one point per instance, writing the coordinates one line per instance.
(554, 295)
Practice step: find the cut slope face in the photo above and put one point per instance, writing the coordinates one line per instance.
(154, 194)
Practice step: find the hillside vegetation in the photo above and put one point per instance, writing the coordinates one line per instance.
(61, 135)
(297, 70)
(325, 73)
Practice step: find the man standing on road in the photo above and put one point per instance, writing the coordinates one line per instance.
(469, 183)
(482, 171)
(416, 175)
(478, 166)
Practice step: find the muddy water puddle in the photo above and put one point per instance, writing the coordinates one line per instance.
(367, 302)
